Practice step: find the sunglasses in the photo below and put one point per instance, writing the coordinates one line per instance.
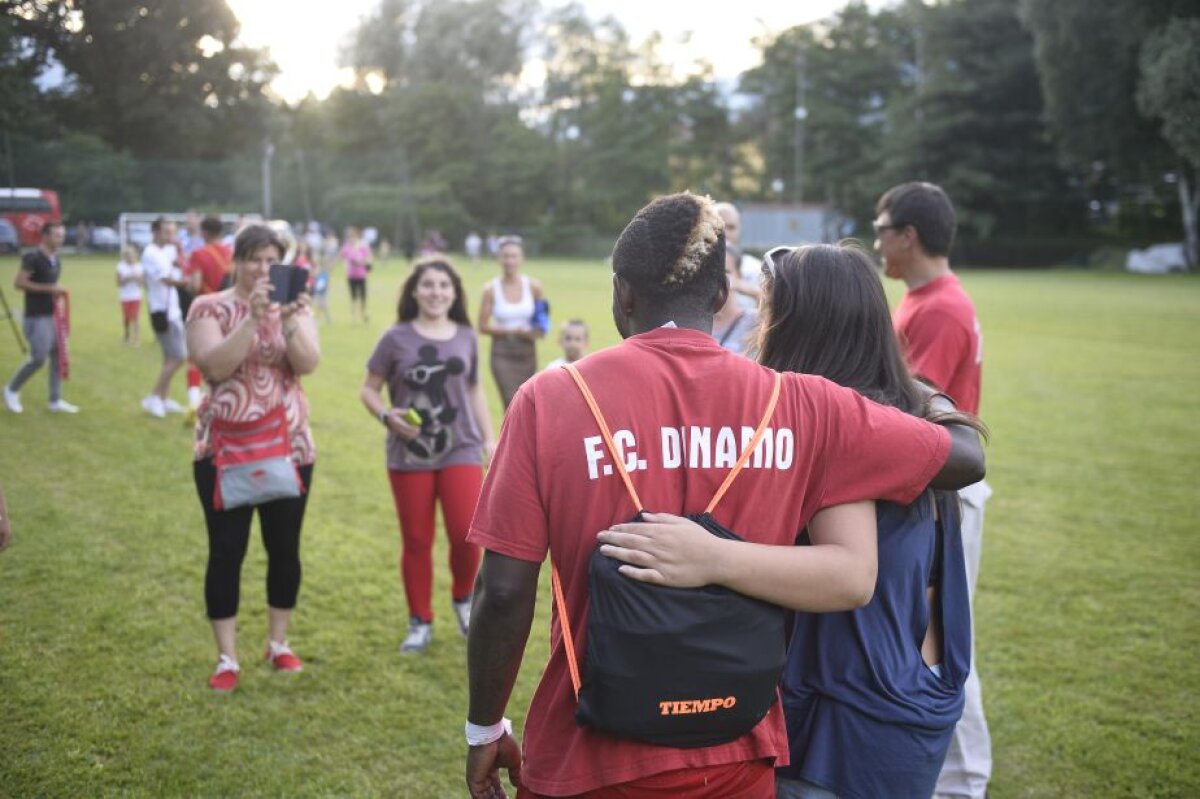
(878, 228)
(771, 256)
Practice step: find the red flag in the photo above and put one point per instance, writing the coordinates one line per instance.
(62, 329)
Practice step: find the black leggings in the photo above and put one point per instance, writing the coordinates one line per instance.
(358, 289)
(229, 534)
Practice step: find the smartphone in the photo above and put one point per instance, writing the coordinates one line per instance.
(287, 282)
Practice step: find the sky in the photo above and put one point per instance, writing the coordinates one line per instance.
(304, 37)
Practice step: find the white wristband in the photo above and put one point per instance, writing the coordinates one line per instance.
(480, 735)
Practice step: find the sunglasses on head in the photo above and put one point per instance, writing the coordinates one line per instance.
(771, 256)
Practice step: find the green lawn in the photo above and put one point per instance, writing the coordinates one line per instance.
(1087, 616)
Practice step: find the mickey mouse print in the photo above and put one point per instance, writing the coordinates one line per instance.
(434, 378)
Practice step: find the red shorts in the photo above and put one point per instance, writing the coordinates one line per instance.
(129, 309)
(751, 779)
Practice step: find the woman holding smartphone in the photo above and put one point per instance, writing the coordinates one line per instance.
(252, 352)
(438, 435)
(871, 695)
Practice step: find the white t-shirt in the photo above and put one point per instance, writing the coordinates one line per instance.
(132, 290)
(751, 271)
(159, 263)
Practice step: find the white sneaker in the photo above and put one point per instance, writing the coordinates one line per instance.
(462, 612)
(12, 400)
(153, 405)
(62, 406)
(171, 406)
(419, 636)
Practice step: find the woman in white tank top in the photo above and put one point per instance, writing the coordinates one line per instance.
(505, 314)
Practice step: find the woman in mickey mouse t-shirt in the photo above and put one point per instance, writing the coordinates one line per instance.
(429, 362)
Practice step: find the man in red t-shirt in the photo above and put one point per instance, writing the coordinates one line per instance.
(680, 408)
(943, 344)
(211, 264)
(206, 273)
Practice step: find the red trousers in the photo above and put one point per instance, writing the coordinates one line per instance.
(416, 495)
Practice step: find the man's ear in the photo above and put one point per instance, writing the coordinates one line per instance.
(722, 295)
(624, 297)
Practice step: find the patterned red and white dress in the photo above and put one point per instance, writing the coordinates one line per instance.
(264, 381)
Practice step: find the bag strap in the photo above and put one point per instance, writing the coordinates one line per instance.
(754, 442)
(556, 581)
(612, 447)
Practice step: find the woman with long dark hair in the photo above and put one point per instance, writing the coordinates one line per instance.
(439, 434)
(871, 696)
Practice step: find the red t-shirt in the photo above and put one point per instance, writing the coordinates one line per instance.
(213, 262)
(942, 340)
(679, 407)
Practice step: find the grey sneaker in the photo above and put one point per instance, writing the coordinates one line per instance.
(462, 612)
(62, 406)
(420, 634)
(12, 400)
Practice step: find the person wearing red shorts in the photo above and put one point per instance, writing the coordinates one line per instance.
(678, 405)
(129, 291)
(439, 434)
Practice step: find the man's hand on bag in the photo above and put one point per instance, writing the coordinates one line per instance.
(484, 764)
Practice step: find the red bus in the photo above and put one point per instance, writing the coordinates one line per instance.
(28, 210)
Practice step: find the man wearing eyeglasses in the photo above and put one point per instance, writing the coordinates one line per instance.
(940, 333)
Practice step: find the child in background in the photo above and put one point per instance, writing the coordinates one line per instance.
(129, 290)
(573, 338)
(320, 292)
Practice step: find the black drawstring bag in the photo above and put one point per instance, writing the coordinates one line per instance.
(682, 667)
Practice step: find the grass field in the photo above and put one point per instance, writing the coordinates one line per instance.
(1088, 614)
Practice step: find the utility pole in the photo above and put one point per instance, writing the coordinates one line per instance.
(308, 211)
(268, 153)
(12, 175)
(800, 114)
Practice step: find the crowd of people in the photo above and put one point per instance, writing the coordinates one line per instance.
(858, 502)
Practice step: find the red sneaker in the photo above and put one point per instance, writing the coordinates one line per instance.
(225, 678)
(283, 658)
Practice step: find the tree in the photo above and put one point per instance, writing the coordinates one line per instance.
(23, 58)
(472, 44)
(846, 70)
(1169, 90)
(972, 122)
(1089, 62)
(156, 79)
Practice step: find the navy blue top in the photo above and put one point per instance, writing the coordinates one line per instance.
(866, 717)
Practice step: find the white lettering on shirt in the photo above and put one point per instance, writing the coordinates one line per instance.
(699, 447)
(694, 447)
(672, 448)
(726, 449)
(785, 448)
(593, 450)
